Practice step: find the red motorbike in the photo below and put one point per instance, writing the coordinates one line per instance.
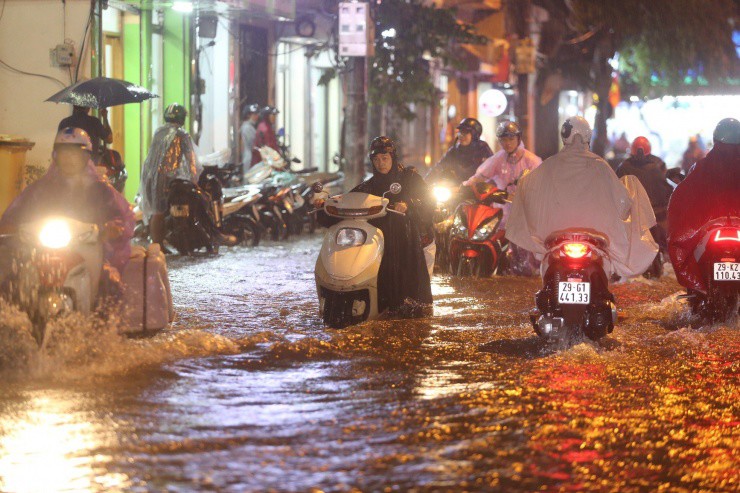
(477, 245)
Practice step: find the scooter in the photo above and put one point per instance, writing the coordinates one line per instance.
(58, 267)
(718, 255)
(347, 268)
(575, 297)
(477, 247)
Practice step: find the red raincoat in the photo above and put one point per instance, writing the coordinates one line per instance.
(710, 191)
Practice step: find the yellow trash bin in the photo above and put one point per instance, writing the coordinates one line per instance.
(12, 158)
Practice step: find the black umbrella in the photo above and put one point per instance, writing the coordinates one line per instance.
(102, 92)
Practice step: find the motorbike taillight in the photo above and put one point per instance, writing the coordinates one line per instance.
(727, 235)
(575, 250)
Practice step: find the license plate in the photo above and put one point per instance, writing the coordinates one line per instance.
(574, 293)
(180, 210)
(727, 271)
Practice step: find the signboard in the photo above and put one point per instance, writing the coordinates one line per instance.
(492, 103)
(356, 30)
(274, 8)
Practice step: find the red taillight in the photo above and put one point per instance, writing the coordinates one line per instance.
(575, 250)
(727, 234)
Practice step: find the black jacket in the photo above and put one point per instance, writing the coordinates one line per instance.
(652, 175)
(463, 161)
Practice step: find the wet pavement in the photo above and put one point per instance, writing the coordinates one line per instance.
(249, 392)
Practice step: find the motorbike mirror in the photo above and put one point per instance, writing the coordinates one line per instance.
(395, 188)
(296, 160)
(317, 187)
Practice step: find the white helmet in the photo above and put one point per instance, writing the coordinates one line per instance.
(575, 125)
(73, 136)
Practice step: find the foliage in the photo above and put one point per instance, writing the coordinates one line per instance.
(399, 73)
(664, 44)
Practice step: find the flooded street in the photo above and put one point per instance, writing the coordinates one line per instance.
(250, 392)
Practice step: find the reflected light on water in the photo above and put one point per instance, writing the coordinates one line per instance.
(51, 447)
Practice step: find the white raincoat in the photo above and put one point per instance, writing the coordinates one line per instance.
(577, 190)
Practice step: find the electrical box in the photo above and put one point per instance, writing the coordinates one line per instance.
(356, 30)
(63, 55)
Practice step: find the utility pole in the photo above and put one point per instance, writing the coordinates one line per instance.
(518, 17)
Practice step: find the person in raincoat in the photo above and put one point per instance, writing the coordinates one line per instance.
(266, 131)
(463, 158)
(72, 188)
(504, 169)
(576, 189)
(711, 191)
(403, 279)
(170, 156)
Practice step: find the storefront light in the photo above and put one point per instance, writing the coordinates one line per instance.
(182, 6)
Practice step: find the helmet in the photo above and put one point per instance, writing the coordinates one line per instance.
(640, 147)
(175, 113)
(383, 145)
(250, 109)
(575, 125)
(471, 125)
(508, 129)
(73, 137)
(269, 110)
(727, 131)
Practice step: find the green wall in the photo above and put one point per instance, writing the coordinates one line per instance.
(132, 112)
(176, 60)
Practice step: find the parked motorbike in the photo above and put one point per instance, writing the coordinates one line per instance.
(575, 297)
(477, 247)
(718, 255)
(347, 268)
(58, 268)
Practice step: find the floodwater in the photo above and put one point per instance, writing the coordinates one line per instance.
(249, 392)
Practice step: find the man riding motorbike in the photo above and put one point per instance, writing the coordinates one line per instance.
(403, 280)
(577, 190)
(504, 169)
(72, 188)
(465, 155)
(711, 191)
(171, 156)
(651, 171)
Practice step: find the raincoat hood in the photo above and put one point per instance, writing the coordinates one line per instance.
(576, 189)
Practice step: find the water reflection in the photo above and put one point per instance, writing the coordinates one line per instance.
(53, 445)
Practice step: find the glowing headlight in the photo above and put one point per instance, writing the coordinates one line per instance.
(486, 230)
(55, 234)
(459, 230)
(442, 194)
(351, 237)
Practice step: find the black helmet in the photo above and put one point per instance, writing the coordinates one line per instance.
(268, 110)
(508, 129)
(383, 145)
(250, 109)
(727, 131)
(175, 113)
(471, 125)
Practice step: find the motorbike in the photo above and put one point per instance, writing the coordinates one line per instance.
(718, 256)
(58, 268)
(347, 268)
(477, 247)
(110, 165)
(445, 193)
(575, 297)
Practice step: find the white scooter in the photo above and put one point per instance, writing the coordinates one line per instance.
(57, 269)
(347, 267)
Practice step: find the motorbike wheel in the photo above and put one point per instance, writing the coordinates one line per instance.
(655, 271)
(311, 218)
(244, 229)
(468, 267)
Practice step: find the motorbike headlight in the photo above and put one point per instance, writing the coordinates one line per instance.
(442, 194)
(459, 229)
(485, 230)
(347, 237)
(55, 234)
